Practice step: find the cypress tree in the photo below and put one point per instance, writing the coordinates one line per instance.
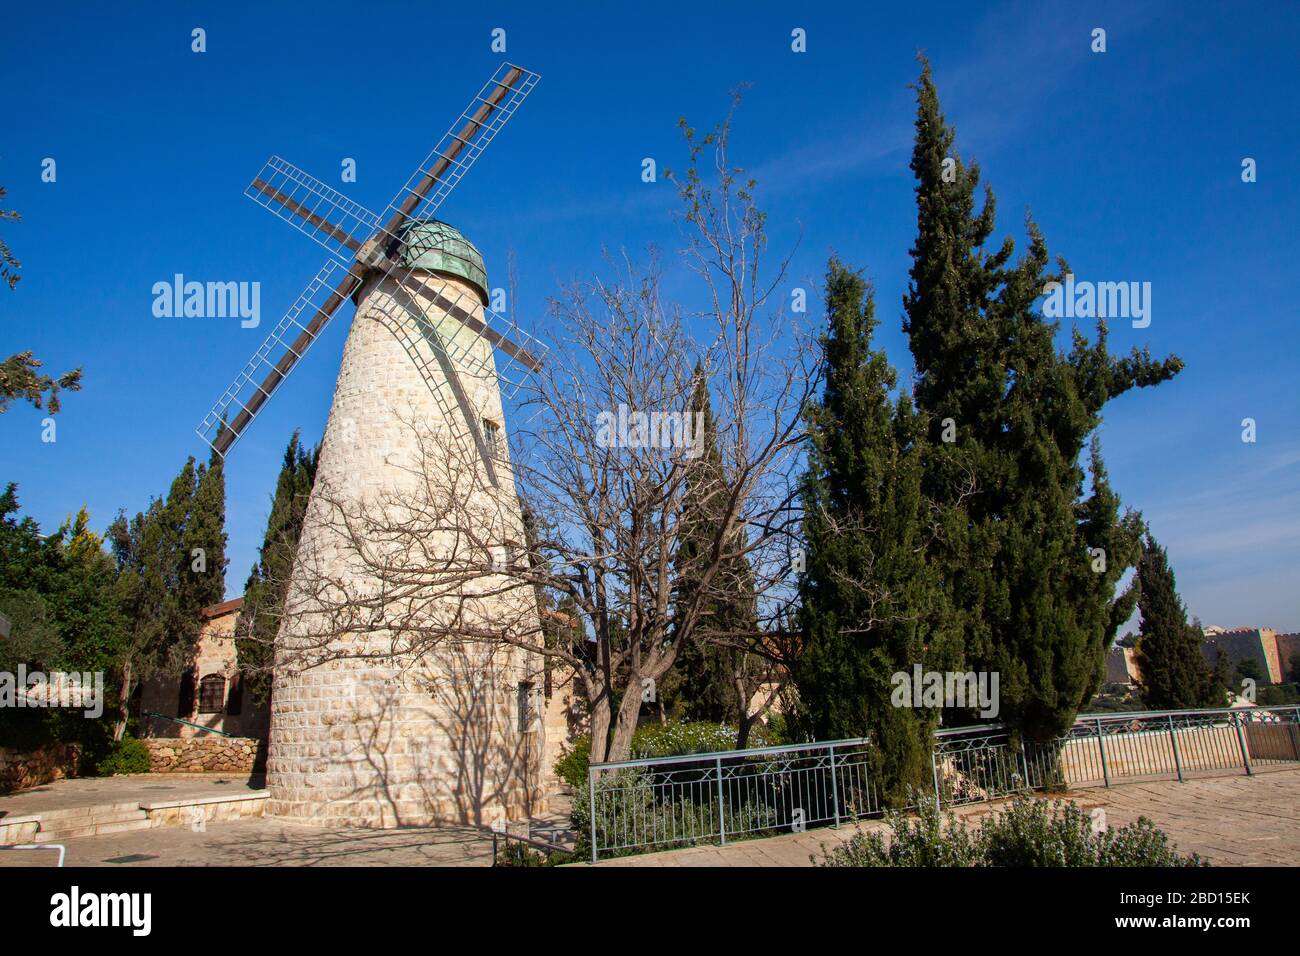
(1173, 672)
(205, 538)
(268, 581)
(871, 604)
(158, 593)
(703, 685)
(1030, 562)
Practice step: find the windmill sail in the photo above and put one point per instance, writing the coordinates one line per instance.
(319, 212)
(339, 224)
(271, 364)
(462, 144)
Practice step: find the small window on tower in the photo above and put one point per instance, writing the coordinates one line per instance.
(503, 557)
(492, 436)
(525, 704)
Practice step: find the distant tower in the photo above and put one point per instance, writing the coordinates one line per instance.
(388, 743)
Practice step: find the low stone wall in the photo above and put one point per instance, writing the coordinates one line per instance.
(18, 770)
(196, 813)
(211, 754)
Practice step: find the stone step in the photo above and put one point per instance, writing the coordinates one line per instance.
(75, 814)
(98, 816)
(94, 829)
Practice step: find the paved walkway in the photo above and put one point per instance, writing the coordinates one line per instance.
(1231, 821)
(264, 841)
(258, 841)
(136, 788)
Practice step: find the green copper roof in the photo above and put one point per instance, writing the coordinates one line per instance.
(434, 246)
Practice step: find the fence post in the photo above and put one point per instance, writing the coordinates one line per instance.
(591, 807)
(835, 788)
(1241, 742)
(1024, 764)
(1173, 739)
(1101, 745)
(934, 766)
(722, 813)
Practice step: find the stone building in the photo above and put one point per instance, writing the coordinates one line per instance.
(210, 694)
(363, 731)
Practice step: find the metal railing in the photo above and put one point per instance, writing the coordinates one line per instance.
(187, 723)
(663, 802)
(658, 803)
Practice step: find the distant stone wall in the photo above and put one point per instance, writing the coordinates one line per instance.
(18, 770)
(1288, 646)
(203, 754)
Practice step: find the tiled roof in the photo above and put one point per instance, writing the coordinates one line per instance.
(224, 608)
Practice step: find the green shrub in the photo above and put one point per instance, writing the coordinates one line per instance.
(127, 756)
(1029, 832)
(630, 810)
(1141, 844)
(926, 840)
(1275, 695)
(700, 737)
(573, 762)
(657, 740)
(778, 731)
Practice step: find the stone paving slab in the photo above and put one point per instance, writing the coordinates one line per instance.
(1231, 821)
(132, 788)
(264, 841)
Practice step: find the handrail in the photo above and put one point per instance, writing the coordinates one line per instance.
(1087, 719)
(1127, 714)
(748, 752)
(211, 730)
(1082, 719)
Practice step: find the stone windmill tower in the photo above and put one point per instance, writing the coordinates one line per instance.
(365, 730)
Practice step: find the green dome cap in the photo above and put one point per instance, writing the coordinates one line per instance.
(433, 246)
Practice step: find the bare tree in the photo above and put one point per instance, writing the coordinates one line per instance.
(600, 465)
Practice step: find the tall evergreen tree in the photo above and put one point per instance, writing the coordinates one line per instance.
(871, 604)
(268, 582)
(158, 592)
(710, 677)
(205, 538)
(1031, 563)
(1173, 673)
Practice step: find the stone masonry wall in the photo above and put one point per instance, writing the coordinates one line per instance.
(203, 754)
(19, 771)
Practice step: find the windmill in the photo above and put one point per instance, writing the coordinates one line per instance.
(423, 341)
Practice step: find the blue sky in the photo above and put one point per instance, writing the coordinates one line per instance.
(1130, 161)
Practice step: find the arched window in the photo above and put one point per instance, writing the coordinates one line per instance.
(212, 694)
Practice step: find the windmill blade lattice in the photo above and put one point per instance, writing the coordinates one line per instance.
(276, 357)
(363, 243)
(319, 212)
(462, 144)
